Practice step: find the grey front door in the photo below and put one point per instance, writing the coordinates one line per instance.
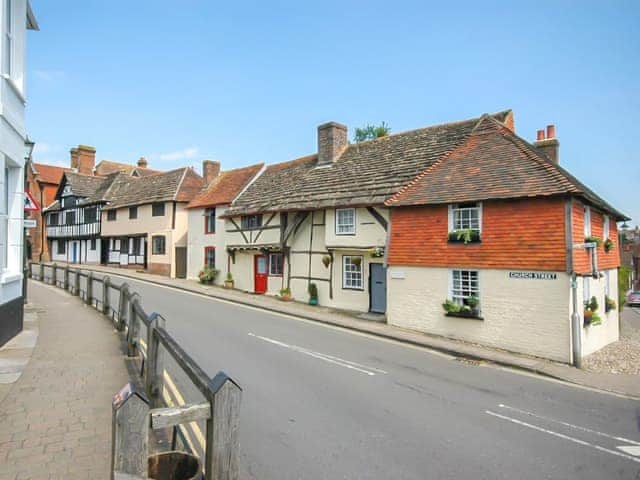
(378, 288)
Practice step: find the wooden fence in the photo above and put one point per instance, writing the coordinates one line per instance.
(222, 395)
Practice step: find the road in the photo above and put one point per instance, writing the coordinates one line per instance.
(325, 403)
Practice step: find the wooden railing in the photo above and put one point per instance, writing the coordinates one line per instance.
(222, 396)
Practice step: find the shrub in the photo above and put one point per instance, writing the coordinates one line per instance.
(313, 291)
(285, 292)
(207, 275)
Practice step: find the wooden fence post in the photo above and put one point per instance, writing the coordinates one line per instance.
(106, 283)
(221, 462)
(130, 433)
(134, 328)
(65, 277)
(76, 283)
(89, 292)
(154, 375)
(41, 273)
(122, 306)
(54, 274)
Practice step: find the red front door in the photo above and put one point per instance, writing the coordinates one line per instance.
(260, 269)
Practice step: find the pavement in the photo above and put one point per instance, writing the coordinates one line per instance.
(620, 383)
(55, 404)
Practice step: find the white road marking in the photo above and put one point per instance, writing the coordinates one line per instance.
(565, 437)
(323, 356)
(570, 425)
(634, 450)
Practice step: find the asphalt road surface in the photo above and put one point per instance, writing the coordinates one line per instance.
(325, 403)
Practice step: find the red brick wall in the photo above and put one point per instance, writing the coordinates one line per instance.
(159, 268)
(522, 234)
(581, 258)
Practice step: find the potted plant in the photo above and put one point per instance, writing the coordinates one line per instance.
(326, 260)
(609, 304)
(285, 294)
(313, 294)
(464, 236)
(473, 303)
(450, 306)
(591, 316)
(608, 245)
(588, 314)
(593, 239)
(207, 275)
(228, 281)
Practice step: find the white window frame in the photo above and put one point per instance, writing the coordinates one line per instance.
(587, 221)
(457, 287)
(344, 228)
(7, 61)
(348, 276)
(586, 290)
(453, 208)
(271, 263)
(606, 227)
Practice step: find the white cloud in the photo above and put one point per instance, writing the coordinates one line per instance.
(49, 75)
(184, 154)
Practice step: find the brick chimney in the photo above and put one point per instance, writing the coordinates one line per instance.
(210, 170)
(548, 144)
(74, 158)
(142, 162)
(332, 139)
(86, 159)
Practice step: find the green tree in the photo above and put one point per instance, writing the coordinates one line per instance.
(369, 132)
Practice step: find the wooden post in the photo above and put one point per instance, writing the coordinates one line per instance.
(54, 274)
(154, 375)
(41, 273)
(134, 328)
(122, 307)
(106, 283)
(65, 277)
(30, 274)
(130, 433)
(221, 462)
(89, 292)
(76, 283)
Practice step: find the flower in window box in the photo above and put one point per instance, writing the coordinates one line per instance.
(472, 302)
(464, 236)
(593, 239)
(609, 304)
(450, 306)
(608, 245)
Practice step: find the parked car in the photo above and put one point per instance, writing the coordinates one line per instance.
(633, 298)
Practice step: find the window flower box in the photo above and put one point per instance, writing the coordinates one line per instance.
(608, 245)
(464, 236)
(465, 314)
(470, 309)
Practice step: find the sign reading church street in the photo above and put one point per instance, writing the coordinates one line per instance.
(533, 275)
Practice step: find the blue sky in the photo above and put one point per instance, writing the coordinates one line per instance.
(246, 82)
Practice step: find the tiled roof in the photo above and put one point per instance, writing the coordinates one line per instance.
(106, 167)
(180, 185)
(49, 173)
(225, 187)
(493, 163)
(84, 185)
(366, 173)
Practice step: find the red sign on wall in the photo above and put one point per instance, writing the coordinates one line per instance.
(30, 204)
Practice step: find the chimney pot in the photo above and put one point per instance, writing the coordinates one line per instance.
(540, 135)
(210, 170)
(332, 139)
(551, 131)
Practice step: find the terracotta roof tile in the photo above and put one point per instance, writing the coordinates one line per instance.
(49, 173)
(493, 163)
(225, 187)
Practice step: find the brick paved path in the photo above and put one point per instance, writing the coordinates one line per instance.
(55, 422)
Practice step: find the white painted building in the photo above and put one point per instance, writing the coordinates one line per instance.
(16, 18)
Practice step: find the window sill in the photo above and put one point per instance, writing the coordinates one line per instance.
(464, 315)
(350, 234)
(354, 289)
(455, 240)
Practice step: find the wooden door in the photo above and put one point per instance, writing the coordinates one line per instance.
(260, 269)
(181, 262)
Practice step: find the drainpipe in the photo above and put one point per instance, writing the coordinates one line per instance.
(576, 324)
